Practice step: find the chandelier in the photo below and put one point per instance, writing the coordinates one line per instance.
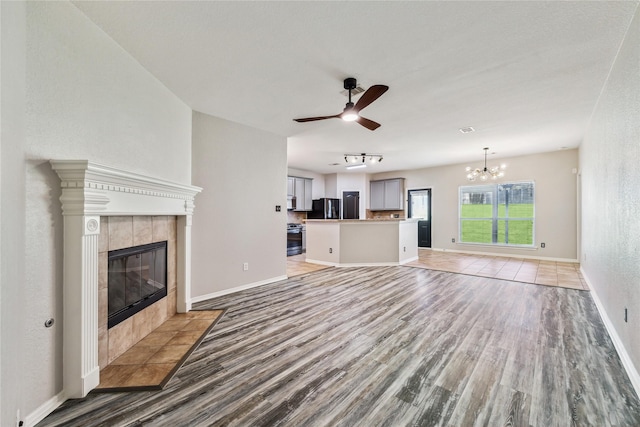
(356, 161)
(486, 173)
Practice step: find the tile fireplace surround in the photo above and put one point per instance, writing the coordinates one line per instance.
(91, 191)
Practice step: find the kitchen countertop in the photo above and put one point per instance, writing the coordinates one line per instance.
(361, 220)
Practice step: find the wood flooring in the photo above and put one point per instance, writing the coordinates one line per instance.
(387, 346)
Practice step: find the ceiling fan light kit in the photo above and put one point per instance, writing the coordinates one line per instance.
(485, 173)
(351, 112)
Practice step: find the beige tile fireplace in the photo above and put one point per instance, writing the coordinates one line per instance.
(132, 207)
(118, 232)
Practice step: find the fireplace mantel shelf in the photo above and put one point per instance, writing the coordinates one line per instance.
(92, 188)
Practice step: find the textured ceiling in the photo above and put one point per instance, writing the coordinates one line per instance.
(525, 75)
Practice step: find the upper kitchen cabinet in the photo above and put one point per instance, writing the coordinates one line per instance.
(302, 191)
(387, 195)
(291, 183)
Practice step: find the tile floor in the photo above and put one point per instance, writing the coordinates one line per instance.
(296, 265)
(150, 362)
(549, 273)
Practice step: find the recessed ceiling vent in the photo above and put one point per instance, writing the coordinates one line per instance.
(467, 129)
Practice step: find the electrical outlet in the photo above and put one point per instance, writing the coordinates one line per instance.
(278, 208)
(330, 250)
(245, 266)
(405, 249)
(453, 240)
(542, 245)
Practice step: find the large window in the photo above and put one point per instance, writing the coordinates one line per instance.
(498, 214)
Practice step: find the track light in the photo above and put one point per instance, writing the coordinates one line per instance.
(362, 158)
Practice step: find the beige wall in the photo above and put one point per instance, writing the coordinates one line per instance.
(609, 159)
(243, 173)
(555, 180)
(336, 184)
(68, 92)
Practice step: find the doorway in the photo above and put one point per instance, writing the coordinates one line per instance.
(351, 205)
(420, 208)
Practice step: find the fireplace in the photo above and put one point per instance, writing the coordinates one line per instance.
(137, 278)
(91, 193)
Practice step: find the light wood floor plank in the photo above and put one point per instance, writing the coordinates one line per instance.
(387, 346)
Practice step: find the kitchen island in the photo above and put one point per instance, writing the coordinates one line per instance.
(345, 243)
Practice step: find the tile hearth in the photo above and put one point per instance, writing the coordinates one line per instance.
(151, 363)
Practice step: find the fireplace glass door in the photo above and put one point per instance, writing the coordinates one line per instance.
(137, 278)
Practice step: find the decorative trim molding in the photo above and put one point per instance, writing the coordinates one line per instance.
(634, 376)
(89, 187)
(237, 289)
(91, 190)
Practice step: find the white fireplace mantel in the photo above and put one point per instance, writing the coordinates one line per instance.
(91, 190)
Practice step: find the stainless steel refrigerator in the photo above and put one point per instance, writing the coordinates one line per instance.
(325, 209)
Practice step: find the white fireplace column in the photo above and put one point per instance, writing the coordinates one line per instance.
(90, 190)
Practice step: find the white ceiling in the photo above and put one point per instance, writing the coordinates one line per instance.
(525, 75)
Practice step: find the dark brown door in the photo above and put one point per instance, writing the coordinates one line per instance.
(351, 205)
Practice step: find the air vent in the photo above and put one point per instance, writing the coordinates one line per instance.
(467, 129)
(354, 92)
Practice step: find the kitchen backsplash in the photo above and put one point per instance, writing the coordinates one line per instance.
(384, 214)
(296, 217)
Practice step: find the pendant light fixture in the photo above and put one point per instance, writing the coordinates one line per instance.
(486, 173)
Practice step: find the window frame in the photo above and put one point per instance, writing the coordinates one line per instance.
(495, 218)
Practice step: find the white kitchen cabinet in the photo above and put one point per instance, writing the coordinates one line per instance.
(290, 186)
(307, 194)
(387, 195)
(302, 191)
(377, 196)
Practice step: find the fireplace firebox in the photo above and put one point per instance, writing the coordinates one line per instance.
(137, 277)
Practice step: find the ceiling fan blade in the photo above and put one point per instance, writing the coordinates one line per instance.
(313, 119)
(369, 124)
(373, 93)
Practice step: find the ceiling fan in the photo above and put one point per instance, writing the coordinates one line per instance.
(350, 112)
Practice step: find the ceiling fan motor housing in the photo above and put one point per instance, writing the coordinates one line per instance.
(350, 83)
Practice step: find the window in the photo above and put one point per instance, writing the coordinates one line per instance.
(498, 214)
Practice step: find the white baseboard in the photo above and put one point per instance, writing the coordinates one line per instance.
(327, 263)
(237, 289)
(541, 258)
(362, 264)
(634, 376)
(45, 409)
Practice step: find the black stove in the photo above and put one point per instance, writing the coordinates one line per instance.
(295, 239)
